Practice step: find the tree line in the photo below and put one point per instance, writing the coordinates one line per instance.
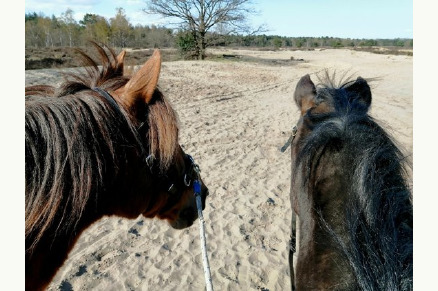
(64, 31)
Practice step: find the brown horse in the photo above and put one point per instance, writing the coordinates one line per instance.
(351, 204)
(101, 144)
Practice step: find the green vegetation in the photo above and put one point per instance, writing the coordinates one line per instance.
(43, 31)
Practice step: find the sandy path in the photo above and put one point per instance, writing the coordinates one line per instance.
(234, 118)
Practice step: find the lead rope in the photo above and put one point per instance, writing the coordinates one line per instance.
(197, 191)
(293, 237)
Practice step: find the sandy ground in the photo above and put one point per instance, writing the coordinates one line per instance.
(234, 118)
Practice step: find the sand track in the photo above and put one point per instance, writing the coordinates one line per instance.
(234, 118)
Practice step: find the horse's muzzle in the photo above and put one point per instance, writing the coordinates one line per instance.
(189, 214)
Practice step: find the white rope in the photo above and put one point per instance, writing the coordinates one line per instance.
(207, 274)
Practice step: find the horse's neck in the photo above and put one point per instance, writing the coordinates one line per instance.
(43, 261)
(325, 194)
(321, 207)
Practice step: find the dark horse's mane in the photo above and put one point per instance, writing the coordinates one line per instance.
(379, 217)
(62, 171)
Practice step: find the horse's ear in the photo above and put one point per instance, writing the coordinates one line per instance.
(120, 61)
(360, 91)
(305, 93)
(144, 82)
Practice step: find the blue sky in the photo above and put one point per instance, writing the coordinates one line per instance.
(336, 18)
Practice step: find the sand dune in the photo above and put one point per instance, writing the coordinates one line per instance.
(234, 117)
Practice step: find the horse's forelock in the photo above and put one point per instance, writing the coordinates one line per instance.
(163, 130)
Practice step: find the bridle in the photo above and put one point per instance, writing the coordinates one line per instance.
(191, 176)
(290, 140)
(193, 173)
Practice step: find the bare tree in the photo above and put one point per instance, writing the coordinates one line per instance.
(69, 24)
(201, 16)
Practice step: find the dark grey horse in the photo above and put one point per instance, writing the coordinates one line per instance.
(351, 204)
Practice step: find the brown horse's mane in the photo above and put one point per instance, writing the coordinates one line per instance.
(76, 143)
